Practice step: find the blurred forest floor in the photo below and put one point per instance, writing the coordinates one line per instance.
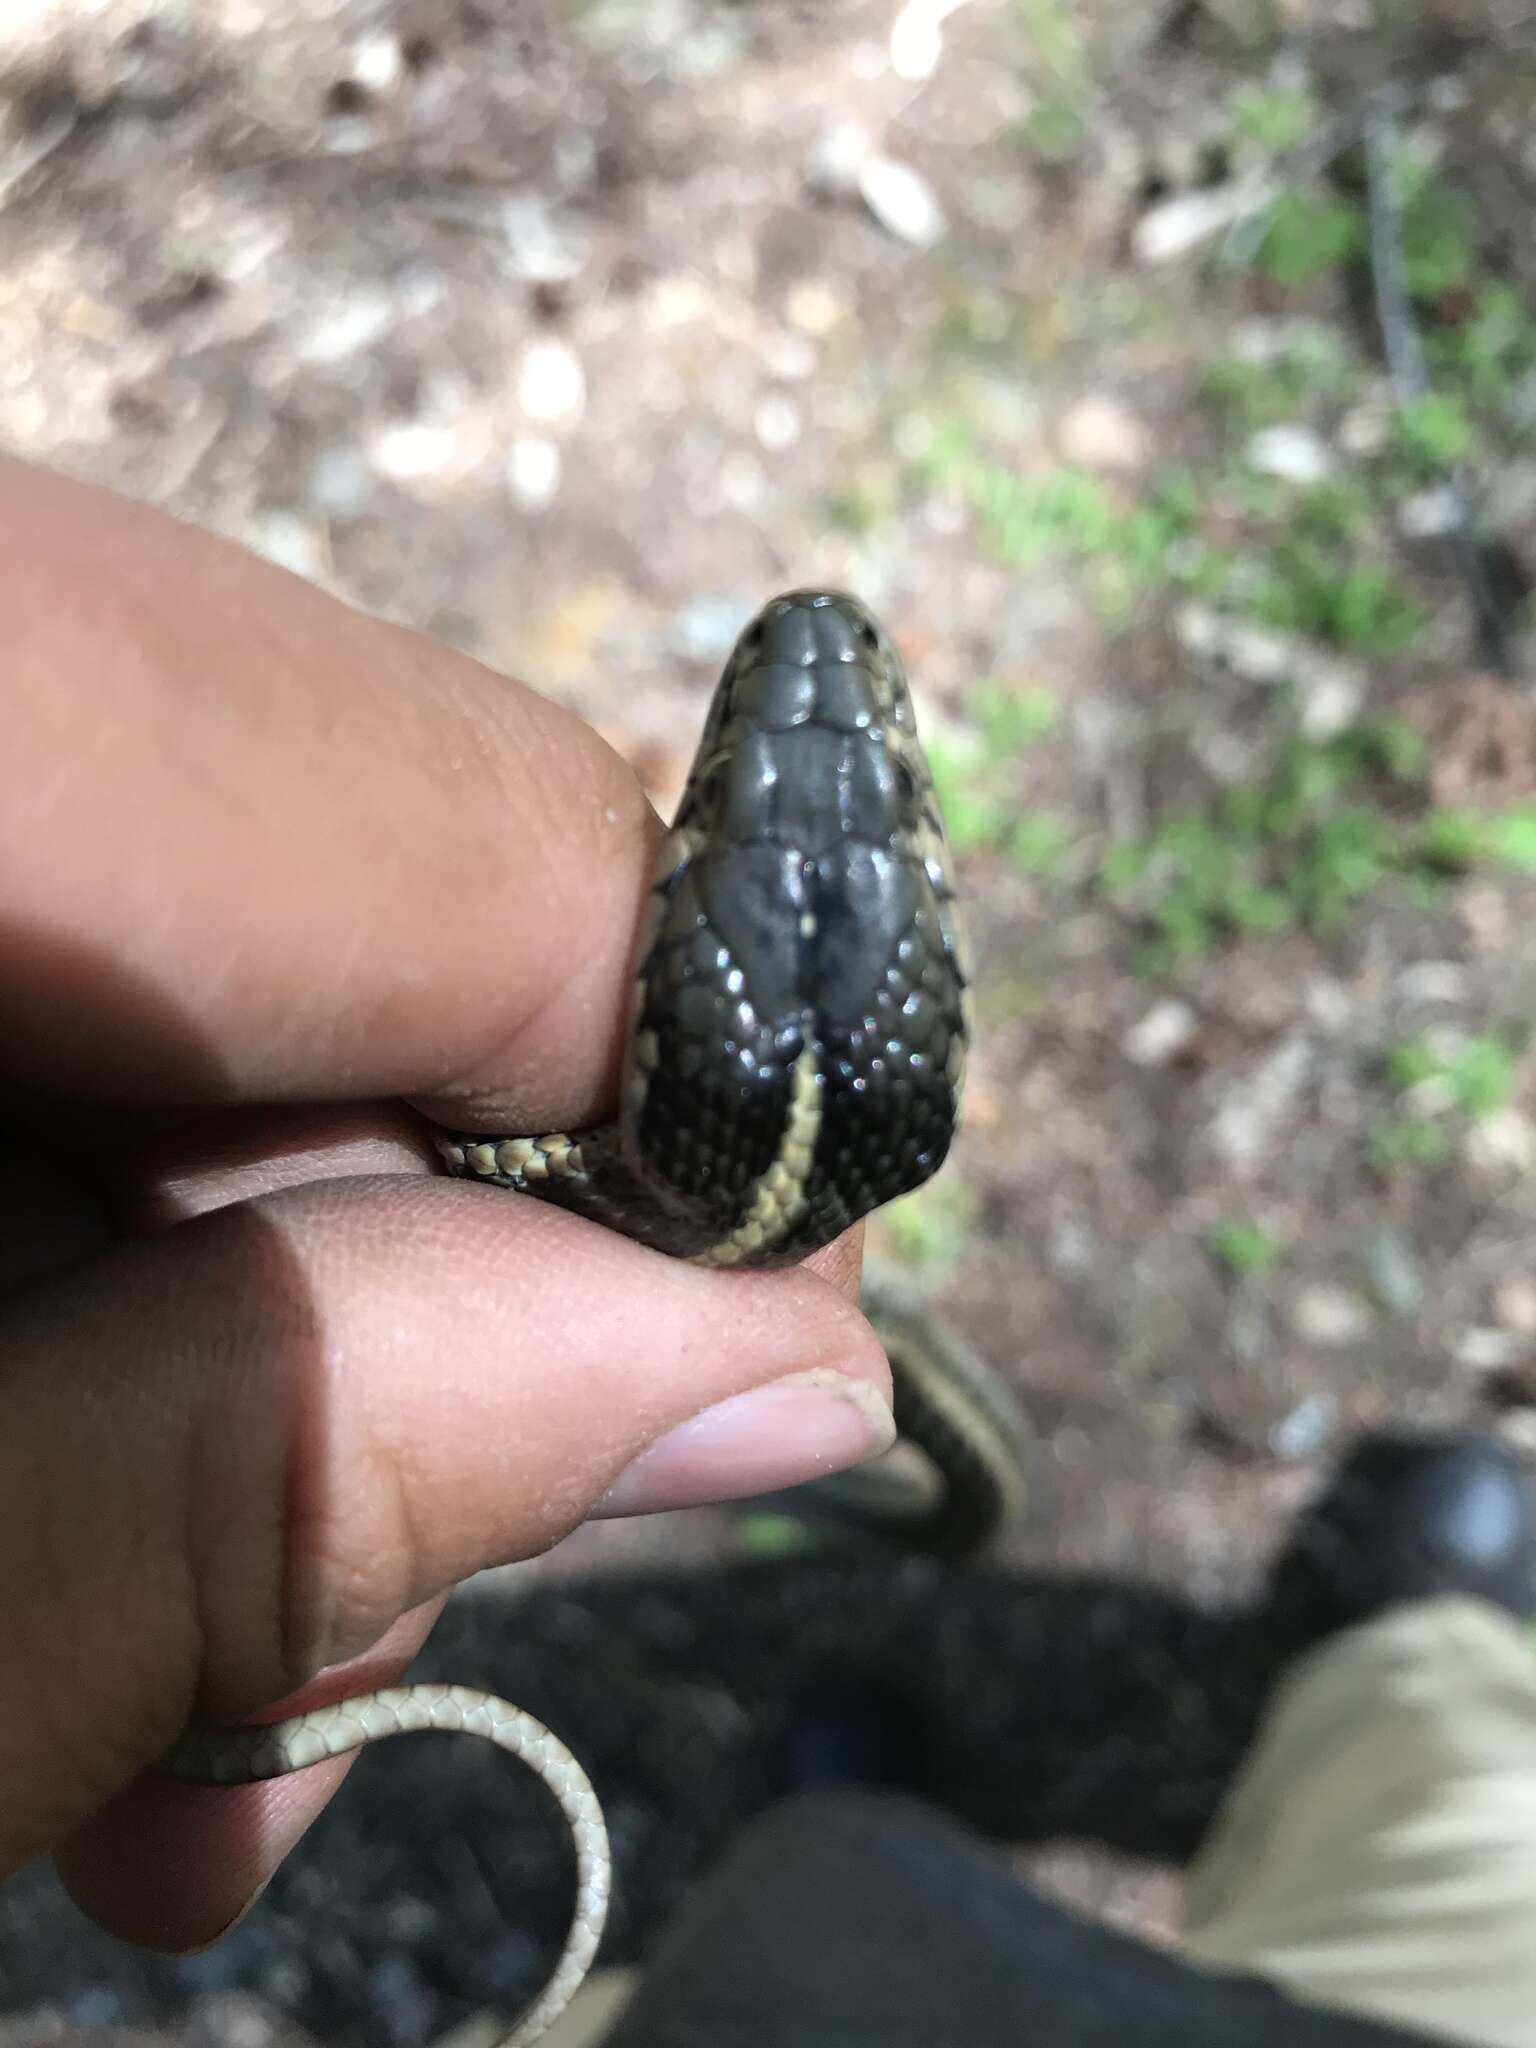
(569, 331)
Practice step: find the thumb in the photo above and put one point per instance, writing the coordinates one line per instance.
(237, 1453)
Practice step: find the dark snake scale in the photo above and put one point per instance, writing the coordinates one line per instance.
(795, 1061)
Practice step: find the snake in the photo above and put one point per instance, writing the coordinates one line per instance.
(795, 1059)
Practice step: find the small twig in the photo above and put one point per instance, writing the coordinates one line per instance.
(1403, 348)
(1400, 340)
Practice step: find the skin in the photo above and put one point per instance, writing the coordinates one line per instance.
(271, 873)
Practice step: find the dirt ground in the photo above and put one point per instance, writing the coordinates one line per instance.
(568, 332)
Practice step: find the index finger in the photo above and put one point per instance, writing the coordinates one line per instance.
(255, 845)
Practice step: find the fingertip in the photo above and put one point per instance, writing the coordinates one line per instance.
(176, 1867)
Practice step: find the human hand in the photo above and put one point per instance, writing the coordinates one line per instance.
(268, 1384)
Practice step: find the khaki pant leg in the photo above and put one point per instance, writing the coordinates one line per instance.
(1377, 1852)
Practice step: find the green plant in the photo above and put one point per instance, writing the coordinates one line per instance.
(1245, 1249)
(1010, 720)
(1125, 548)
(929, 1230)
(1475, 1072)
(1456, 840)
(1487, 349)
(1247, 392)
(1444, 1081)
(759, 1534)
(1064, 81)
(1408, 1141)
(975, 810)
(1301, 847)
(1439, 230)
(1305, 235)
(1037, 843)
(1361, 606)
(852, 511)
(972, 773)
(1310, 578)
(1274, 118)
(1433, 434)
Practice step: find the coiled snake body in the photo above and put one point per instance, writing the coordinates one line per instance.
(795, 1060)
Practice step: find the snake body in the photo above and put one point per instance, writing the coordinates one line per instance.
(795, 1061)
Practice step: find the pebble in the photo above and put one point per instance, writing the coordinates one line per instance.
(1330, 694)
(1074, 1245)
(408, 450)
(289, 540)
(1487, 1350)
(1330, 1005)
(339, 483)
(1517, 1428)
(705, 628)
(1101, 433)
(551, 384)
(1161, 1034)
(533, 471)
(1294, 453)
(790, 356)
(1486, 915)
(741, 482)
(902, 200)
(1329, 690)
(1367, 428)
(1393, 1271)
(349, 134)
(420, 288)
(815, 305)
(378, 62)
(776, 422)
(1433, 981)
(1330, 1315)
(1515, 1306)
(835, 158)
(539, 248)
(1246, 1126)
(1303, 1433)
(1504, 1142)
(917, 38)
(1257, 653)
(346, 327)
(917, 41)
(1175, 226)
(1428, 514)
(1509, 498)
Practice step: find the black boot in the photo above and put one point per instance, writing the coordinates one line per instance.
(1408, 1516)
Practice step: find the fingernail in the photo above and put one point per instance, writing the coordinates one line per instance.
(782, 1434)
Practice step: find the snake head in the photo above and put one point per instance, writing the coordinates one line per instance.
(800, 1031)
